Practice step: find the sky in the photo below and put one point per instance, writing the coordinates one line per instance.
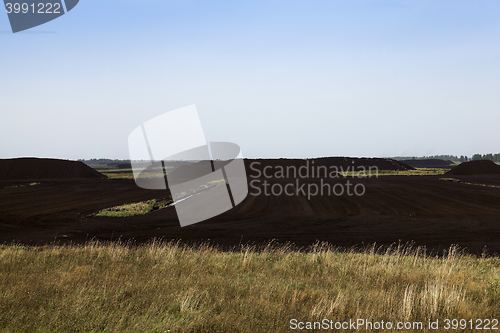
(280, 78)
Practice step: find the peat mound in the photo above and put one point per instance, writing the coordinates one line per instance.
(128, 165)
(262, 167)
(45, 168)
(428, 163)
(363, 162)
(257, 166)
(482, 167)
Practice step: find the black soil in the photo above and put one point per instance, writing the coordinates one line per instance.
(45, 168)
(483, 167)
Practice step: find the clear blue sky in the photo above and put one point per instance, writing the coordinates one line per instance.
(280, 78)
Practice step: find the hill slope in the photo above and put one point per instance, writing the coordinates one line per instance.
(45, 168)
(429, 163)
(483, 167)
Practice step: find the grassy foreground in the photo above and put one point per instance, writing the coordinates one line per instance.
(165, 287)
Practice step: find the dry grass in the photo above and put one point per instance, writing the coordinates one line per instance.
(167, 287)
(114, 173)
(136, 208)
(416, 172)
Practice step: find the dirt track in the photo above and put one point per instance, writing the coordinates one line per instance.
(422, 209)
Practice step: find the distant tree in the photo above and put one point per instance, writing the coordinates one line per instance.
(462, 159)
(439, 157)
(477, 157)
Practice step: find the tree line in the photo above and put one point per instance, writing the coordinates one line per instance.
(490, 157)
(463, 158)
